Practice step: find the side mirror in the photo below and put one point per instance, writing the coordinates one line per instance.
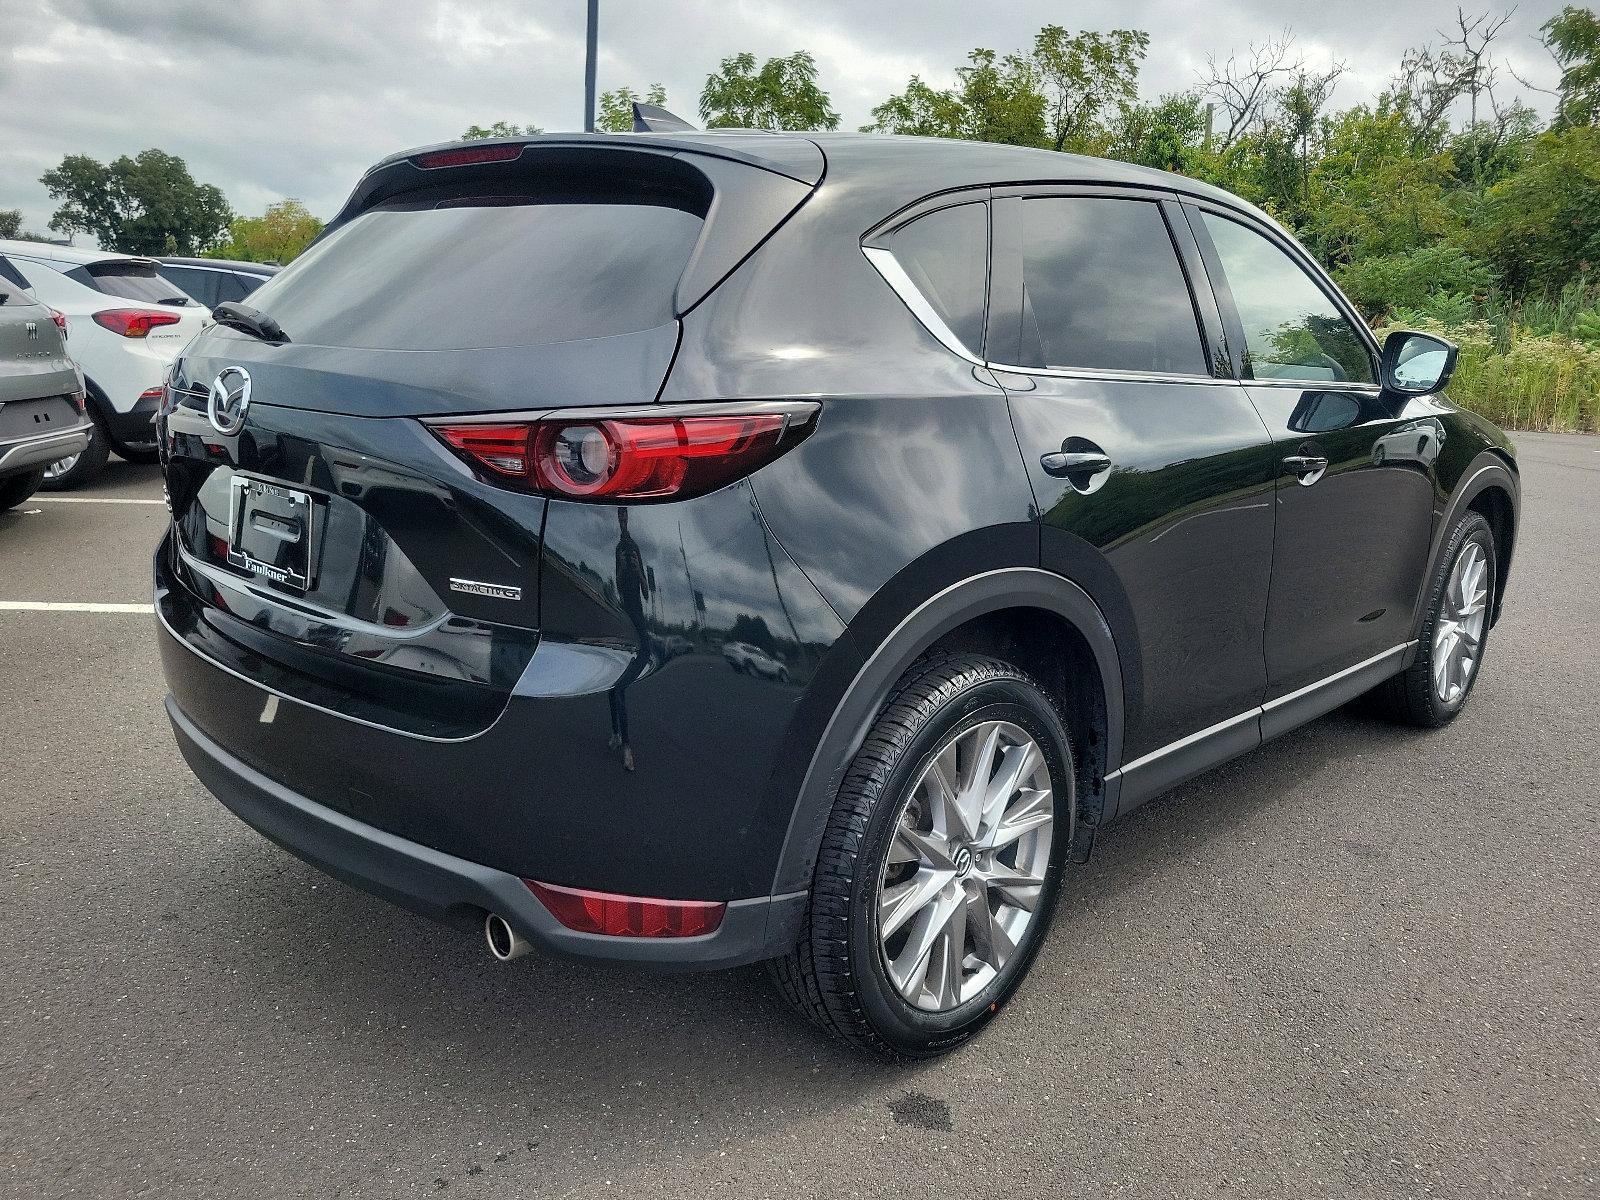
(1417, 364)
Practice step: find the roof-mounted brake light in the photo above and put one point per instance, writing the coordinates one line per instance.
(467, 156)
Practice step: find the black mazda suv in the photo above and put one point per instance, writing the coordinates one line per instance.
(698, 549)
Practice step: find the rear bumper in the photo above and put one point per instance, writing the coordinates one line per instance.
(454, 890)
(137, 426)
(31, 453)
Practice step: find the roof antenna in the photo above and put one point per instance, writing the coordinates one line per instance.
(651, 118)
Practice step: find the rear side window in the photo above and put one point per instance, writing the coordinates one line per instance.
(129, 280)
(1103, 288)
(946, 255)
(501, 270)
(202, 285)
(1292, 330)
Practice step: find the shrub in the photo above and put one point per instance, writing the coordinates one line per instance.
(1386, 283)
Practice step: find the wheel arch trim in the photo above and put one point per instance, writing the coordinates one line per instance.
(1488, 470)
(961, 602)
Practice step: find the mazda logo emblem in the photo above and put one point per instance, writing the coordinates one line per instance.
(230, 399)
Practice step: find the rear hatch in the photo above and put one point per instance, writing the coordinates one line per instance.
(33, 356)
(326, 543)
(136, 281)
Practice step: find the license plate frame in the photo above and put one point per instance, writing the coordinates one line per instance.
(272, 530)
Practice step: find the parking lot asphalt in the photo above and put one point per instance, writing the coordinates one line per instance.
(1361, 961)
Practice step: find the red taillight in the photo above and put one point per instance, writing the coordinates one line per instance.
(617, 458)
(61, 321)
(627, 916)
(467, 156)
(133, 322)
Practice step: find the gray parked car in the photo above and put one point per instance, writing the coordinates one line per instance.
(42, 414)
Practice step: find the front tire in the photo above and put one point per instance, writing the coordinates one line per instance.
(1434, 689)
(941, 862)
(15, 490)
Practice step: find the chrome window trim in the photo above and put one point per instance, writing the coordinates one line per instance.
(1110, 374)
(895, 276)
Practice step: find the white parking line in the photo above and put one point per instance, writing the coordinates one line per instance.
(55, 606)
(88, 500)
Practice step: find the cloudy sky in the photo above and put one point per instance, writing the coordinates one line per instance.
(270, 99)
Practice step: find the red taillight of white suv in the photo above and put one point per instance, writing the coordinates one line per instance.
(133, 322)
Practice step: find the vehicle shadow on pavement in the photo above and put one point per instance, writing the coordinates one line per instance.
(594, 1063)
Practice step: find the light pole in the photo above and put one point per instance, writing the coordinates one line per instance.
(588, 67)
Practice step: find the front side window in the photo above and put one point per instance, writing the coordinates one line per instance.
(946, 256)
(1103, 289)
(1292, 330)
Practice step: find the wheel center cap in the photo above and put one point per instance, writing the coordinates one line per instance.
(962, 861)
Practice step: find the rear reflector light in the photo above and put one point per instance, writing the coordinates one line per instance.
(628, 458)
(467, 156)
(627, 916)
(133, 322)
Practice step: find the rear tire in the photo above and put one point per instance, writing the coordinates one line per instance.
(86, 465)
(955, 726)
(15, 490)
(138, 456)
(1434, 689)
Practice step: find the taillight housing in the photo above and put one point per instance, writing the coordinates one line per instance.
(60, 319)
(133, 322)
(628, 916)
(629, 456)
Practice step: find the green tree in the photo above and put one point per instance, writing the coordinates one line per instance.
(616, 108)
(782, 94)
(1542, 224)
(921, 111)
(277, 236)
(500, 129)
(147, 204)
(1573, 37)
(11, 226)
(1168, 135)
(995, 100)
(1368, 194)
(1087, 76)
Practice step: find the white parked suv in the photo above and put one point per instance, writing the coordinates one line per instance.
(125, 325)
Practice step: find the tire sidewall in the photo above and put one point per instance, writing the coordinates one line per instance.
(1474, 528)
(906, 1028)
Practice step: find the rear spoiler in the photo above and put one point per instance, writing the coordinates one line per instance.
(743, 198)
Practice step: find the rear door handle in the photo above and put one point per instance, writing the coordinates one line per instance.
(1067, 462)
(1309, 467)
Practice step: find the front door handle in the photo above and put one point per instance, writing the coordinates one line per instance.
(1308, 467)
(1066, 462)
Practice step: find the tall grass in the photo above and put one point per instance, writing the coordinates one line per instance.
(1530, 364)
(1549, 382)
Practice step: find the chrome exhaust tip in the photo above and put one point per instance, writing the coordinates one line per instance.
(505, 943)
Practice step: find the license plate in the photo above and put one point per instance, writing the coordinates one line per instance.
(272, 532)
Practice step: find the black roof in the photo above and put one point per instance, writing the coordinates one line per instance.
(223, 264)
(926, 165)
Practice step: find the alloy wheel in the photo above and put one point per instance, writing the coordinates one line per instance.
(61, 466)
(966, 870)
(1458, 632)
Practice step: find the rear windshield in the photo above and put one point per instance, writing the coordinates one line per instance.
(502, 270)
(132, 281)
